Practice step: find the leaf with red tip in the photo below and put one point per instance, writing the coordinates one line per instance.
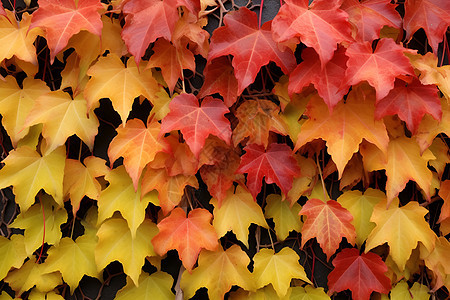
(63, 18)
(252, 47)
(327, 222)
(276, 164)
(187, 235)
(379, 67)
(321, 26)
(328, 81)
(362, 274)
(197, 122)
(369, 16)
(410, 102)
(431, 15)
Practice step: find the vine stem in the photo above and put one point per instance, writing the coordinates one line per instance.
(43, 234)
(260, 13)
(321, 179)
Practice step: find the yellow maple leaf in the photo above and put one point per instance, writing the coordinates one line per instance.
(212, 265)
(277, 269)
(28, 172)
(347, 126)
(16, 38)
(115, 242)
(405, 163)
(32, 274)
(16, 103)
(73, 259)
(156, 286)
(62, 117)
(237, 212)
(284, 216)
(307, 293)
(79, 179)
(111, 79)
(121, 196)
(438, 261)
(12, 252)
(32, 221)
(361, 207)
(402, 228)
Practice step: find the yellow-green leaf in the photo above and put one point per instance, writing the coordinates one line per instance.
(12, 252)
(285, 217)
(156, 286)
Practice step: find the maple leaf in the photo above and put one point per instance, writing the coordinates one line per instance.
(321, 26)
(327, 222)
(197, 122)
(305, 182)
(145, 21)
(256, 119)
(17, 38)
(362, 274)
(345, 128)
(444, 193)
(16, 103)
(73, 259)
(32, 274)
(379, 67)
(170, 188)
(13, 253)
(36, 231)
(431, 15)
(220, 173)
(121, 196)
(307, 293)
(276, 165)
(28, 173)
(188, 33)
(232, 262)
(172, 60)
(155, 286)
(437, 260)
(328, 80)
(111, 79)
(277, 269)
(116, 242)
(429, 128)
(138, 145)
(369, 16)
(405, 163)
(64, 18)
(410, 102)
(284, 216)
(361, 205)
(219, 78)
(402, 228)
(62, 117)
(79, 179)
(237, 212)
(251, 47)
(188, 235)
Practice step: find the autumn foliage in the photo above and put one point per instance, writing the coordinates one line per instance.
(186, 148)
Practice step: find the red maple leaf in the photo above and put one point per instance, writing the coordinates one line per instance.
(328, 81)
(187, 235)
(410, 102)
(197, 122)
(327, 222)
(321, 26)
(369, 16)
(362, 274)
(276, 165)
(251, 47)
(379, 68)
(146, 21)
(219, 78)
(431, 15)
(63, 18)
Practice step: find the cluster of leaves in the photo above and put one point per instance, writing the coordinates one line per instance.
(309, 126)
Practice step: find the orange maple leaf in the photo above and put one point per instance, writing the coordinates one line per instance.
(188, 235)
